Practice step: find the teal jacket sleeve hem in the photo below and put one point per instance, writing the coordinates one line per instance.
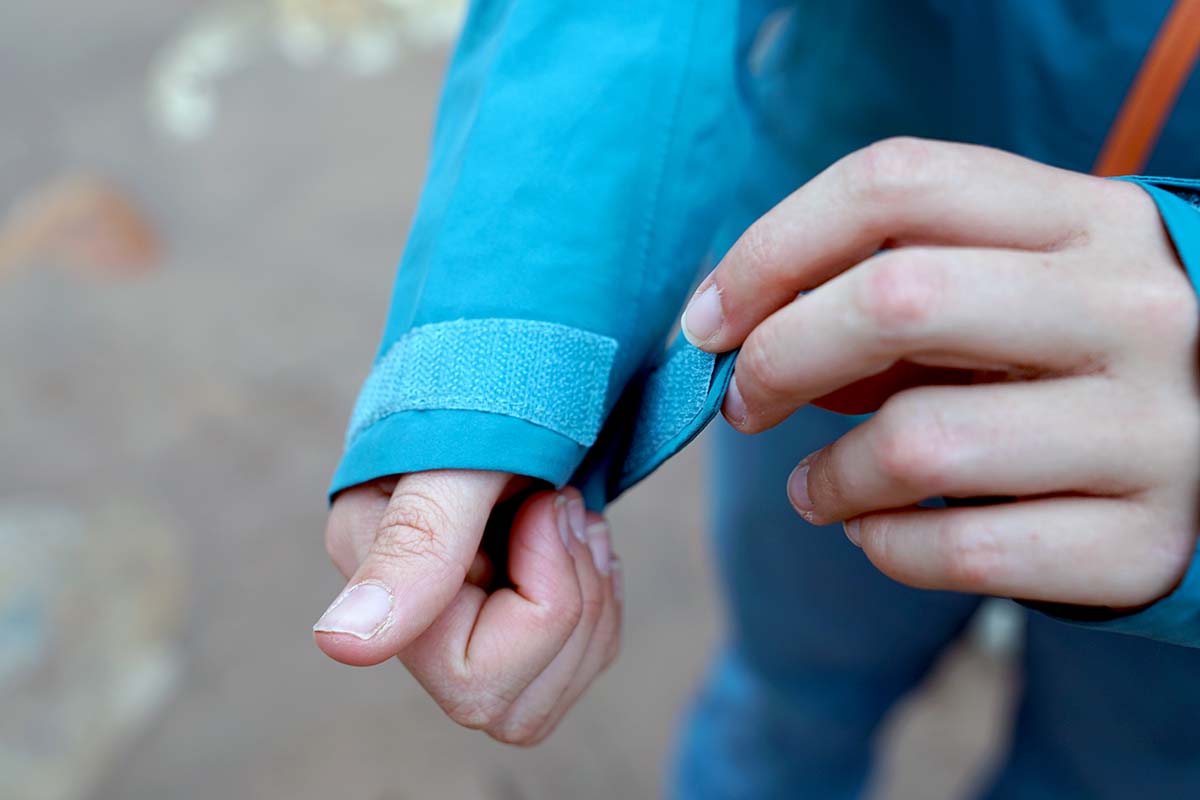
(660, 412)
(415, 441)
(1176, 617)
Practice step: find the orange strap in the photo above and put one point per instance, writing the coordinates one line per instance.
(1165, 69)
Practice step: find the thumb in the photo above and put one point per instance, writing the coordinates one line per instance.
(418, 560)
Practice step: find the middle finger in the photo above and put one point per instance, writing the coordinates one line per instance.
(1006, 439)
(952, 307)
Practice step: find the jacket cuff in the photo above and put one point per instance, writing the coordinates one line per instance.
(512, 395)
(416, 441)
(421, 410)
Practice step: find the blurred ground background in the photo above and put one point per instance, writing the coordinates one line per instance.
(165, 440)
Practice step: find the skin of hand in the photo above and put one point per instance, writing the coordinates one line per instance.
(1024, 333)
(510, 661)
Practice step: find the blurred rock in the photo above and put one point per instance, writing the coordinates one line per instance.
(80, 222)
(364, 37)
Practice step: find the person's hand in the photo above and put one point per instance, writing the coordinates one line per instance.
(1024, 332)
(510, 662)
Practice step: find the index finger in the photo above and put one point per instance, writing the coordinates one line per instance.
(898, 191)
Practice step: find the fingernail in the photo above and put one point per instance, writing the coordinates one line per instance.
(734, 407)
(702, 318)
(577, 518)
(618, 579)
(560, 515)
(851, 528)
(362, 611)
(797, 488)
(599, 544)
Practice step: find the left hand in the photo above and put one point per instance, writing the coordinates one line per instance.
(503, 646)
(1023, 331)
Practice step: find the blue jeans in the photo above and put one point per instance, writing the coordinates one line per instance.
(820, 646)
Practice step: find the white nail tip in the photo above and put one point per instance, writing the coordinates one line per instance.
(376, 605)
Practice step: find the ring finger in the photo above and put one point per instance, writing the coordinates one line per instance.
(603, 646)
(485, 649)
(1003, 439)
(525, 721)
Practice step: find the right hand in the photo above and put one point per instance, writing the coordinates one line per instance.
(510, 662)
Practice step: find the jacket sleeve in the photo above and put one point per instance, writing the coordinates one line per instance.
(1176, 617)
(577, 167)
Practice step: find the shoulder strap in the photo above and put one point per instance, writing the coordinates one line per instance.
(1152, 96)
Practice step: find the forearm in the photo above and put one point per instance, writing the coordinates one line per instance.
(577, 170)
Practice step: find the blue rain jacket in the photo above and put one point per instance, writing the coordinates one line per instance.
(590, 160)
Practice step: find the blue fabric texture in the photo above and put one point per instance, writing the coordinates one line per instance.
(661, 412)
(677, 401)
(669, 403)
(541, 372)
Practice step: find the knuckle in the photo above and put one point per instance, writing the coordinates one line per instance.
(876, 543)
(758, 253)
(880, 546)
(592, 608)
(971, 554)
(900, 293)
(894, 454)
(888, 170)
(827, 487)
(561, 615)
(1168, 563)
(412, 529)
(518, 730)
(761, 365)
(479, 711)
(569, 611)
(1125, 205)
(1165, 310)
(914, 449)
